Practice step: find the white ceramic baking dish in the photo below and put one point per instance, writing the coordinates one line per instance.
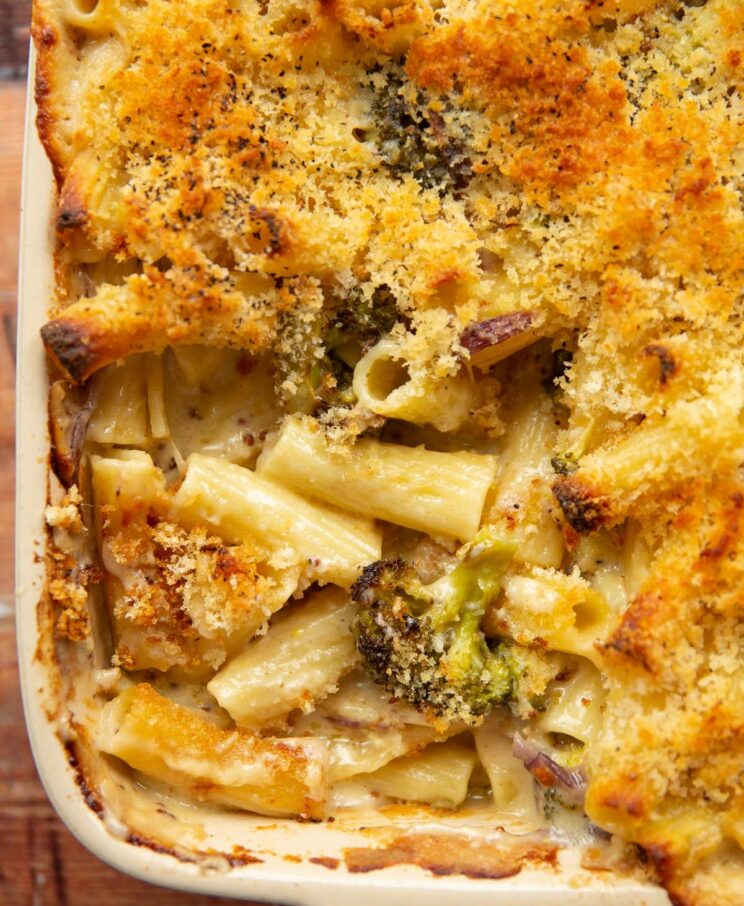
(168, 843)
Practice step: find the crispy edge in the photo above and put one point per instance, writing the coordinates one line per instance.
(71, 349)
(584, 509)
(46, 32)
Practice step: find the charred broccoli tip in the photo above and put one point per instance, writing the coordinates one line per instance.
(424, 642)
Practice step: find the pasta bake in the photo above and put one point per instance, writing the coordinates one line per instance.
(396, 390)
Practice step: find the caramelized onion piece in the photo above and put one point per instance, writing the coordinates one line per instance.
(70, 409)
(548, 773)
(495, 339)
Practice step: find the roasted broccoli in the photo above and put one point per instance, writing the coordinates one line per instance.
(328, 383)
(322, 366)
(424, 642)
(564, 463)
(363, 319)
(413, 137)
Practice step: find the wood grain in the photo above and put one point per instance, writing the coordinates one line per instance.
(41, 863)
(12, 102)
(14, 33)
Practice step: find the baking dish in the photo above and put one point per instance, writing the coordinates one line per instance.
(169, 843)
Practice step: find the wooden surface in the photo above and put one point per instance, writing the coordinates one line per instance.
(14, 29)
(41, 864)
(12, 99)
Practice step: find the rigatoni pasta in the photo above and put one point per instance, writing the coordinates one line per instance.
(364, 728)
(302, 659)
(418, 488)
(658, 455)
(121, 413)
(574, 706)
(238, 502)
(356, 751)
(173, 744)
(382, 383)
(563, 610)
(438, 776)
(521, 499)
(177, 596)
(512, 788)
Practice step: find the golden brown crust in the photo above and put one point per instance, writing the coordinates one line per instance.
(668, 770)
(568, 119)
(583, 507)
(70, 348)
(46, 38)
(151, 311)
(450, 854)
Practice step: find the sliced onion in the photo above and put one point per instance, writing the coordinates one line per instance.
(70, 409)
(548, 772)
(496, 338)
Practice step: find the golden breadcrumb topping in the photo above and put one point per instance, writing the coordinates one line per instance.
(183, 597)
(582, 163)
(69, 571)
(668, 770)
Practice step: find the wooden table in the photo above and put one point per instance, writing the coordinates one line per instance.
(41, 863)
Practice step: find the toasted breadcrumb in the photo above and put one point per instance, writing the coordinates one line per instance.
(187, 595)
(68, 570)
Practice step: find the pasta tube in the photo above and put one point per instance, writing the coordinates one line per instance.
(99, 18)
(522, 500)
(438, 776)
(156, 397)
(365, 729)
(574, 707)
(361, 749)
(382, 383)
(512, 786)
(146, 314)
(563, 611)
(432, 492)
(299, 660)
(240, 504)
(173, 744)
(120, 414)
(159, 577)
(656, 456)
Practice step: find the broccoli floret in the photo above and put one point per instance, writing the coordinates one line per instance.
(424, 642)
(412, 137)
(365, 320)
(322, 366)
(328, 384)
